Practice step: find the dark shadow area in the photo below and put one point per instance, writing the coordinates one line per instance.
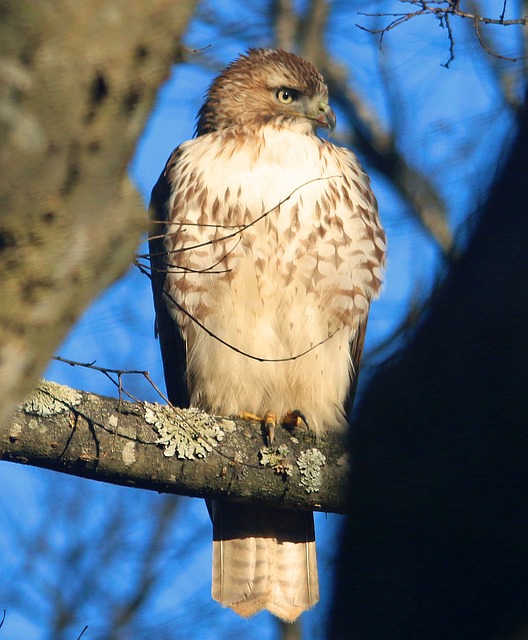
(436, 544)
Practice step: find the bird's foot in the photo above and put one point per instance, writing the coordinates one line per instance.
(295, 419)
(247, 415)
(268, 422)
(292, 420)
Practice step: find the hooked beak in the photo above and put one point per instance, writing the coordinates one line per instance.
(326, 117)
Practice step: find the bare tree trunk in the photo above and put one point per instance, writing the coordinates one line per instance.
(78, 82)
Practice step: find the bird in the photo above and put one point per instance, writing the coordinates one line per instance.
(266, 250)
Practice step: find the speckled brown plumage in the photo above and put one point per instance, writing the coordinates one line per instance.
(269, 237)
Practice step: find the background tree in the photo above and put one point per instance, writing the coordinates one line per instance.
(431, 138)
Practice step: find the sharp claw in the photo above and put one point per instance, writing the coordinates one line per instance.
(294, 418)
(299, 417)
(270, 421)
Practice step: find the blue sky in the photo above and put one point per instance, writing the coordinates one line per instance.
(451, 125)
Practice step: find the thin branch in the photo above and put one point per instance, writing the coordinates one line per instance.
(445, 23)
(487, 49)
(503, 12)
(444, 14)
(211, 334)
(504, 74)
(118, 372)
(452, 9)
(240, 229)
(82, 633)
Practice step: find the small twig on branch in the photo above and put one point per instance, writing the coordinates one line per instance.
(443, 10)
(486, 48)
(240, 229)
(172, 268)
(451, 9)
(210, 333)
(118, 372)
(444, 23)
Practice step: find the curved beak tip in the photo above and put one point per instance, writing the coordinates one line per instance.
(331, 119)
(327, 119)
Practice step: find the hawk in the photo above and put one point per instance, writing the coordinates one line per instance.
(265, 245)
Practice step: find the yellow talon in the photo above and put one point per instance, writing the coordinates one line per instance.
(292, 420)
(268, 422)
(246, 415)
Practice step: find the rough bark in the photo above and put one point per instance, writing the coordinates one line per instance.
(116, 441)
(78, 81)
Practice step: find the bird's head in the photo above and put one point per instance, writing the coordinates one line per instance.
(267, 86)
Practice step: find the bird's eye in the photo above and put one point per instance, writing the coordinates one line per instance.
(287, 96)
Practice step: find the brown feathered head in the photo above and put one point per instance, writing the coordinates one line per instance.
(265, 86)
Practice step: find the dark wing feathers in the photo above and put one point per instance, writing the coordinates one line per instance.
(172, 345)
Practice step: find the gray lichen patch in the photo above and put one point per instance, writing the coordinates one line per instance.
(37, 425)
(50, 399)
(129, 453)
(310, 463)
(186, 433)
(275, 457)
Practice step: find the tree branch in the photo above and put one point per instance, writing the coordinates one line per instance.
(171, 450)
(443, 11)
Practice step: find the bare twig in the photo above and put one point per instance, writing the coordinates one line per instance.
(445, 23)
(451, 9)
(210, 333)
(118, 372)
(444, 10)
(487, 49)
(242, 228)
